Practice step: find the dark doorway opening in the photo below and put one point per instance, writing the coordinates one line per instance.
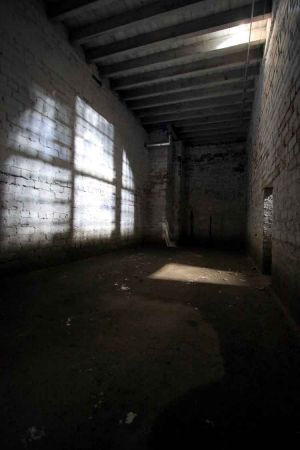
(267, 231)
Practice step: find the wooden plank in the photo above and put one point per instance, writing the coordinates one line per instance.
(181, 70)
(195, 105)
(196, 27)
(61, 10)
(219, 78)
(197, 114)
(128, 19)
(195, 94)
(200, 48)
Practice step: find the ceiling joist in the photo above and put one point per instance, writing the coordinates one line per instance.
(128, 19)
(197, 27)
(234, 87)
(219, 78)
(192, 68)
(197, 113)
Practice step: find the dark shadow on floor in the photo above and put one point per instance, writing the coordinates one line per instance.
(86, 343)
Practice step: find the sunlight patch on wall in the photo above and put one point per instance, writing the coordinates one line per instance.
(94, 175)
(35, 182)
(194, 274)
(127, 198)
(94, 143)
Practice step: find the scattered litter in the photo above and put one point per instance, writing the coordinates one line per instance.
(116, 284)
(261, 288)
(68, 322)
(225, 279)
(130, 418)
(98, 404)
(196, 309)
(209, 422)
(125, 288)
(33, 434)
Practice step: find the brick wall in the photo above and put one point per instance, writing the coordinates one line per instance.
(274, 156)
(165, 186)
(73, 166)
(216, 194)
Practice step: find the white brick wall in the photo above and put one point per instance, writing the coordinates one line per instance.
(216, 194)
(274, 156)
(64, 142)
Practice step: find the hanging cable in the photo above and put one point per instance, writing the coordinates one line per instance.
(247, 62)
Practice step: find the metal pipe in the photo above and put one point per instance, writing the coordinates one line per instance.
(160, 144)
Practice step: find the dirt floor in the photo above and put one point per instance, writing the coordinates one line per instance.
(147, 349)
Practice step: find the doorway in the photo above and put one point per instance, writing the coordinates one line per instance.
(267, 231)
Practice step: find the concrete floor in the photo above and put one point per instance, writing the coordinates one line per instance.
(192, 342)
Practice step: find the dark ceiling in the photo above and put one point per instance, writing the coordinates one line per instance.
(185, 63)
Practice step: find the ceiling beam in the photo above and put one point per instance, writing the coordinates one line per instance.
(127, 19)
(61, 10)
(220, 78)
(195, 104)
(175, 117)
(215, 119)
(216, 140)
(195, 94)
(180, 70)
(209, 133)
(197, 27)
(214, 127)
(200, 48)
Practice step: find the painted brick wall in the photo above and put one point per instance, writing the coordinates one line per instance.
(159, 164)
(165, 187)
(274, 156)
(73, 166)
(216, 194)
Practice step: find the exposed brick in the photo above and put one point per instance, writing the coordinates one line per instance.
(62, 148)
(272, 148)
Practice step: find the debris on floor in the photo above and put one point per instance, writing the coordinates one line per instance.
(68, 322)
(33, 434)
(98, 404)
(130, 418)
(125, 288)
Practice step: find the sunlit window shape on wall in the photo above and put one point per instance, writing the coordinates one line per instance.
(94, 175)
(127, 198)
(36, 188)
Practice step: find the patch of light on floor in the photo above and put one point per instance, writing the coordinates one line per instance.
(194, 274)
